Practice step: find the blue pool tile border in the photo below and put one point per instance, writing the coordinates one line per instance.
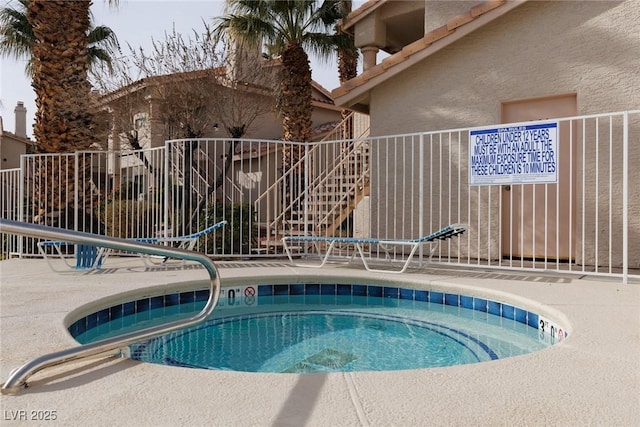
(323, 292)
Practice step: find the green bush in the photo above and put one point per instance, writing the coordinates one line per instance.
(128, 190)
(130, 218)
(237, 234)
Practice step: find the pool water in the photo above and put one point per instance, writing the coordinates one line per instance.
(326, 335)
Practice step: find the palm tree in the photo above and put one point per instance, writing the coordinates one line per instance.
(288, 27)
(347, 54)
(64, 121)
(16, 39)
(347, 62)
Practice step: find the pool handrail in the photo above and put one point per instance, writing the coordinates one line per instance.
(115, 345)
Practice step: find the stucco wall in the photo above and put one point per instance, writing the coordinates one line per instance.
(265, 126)
(10, 152)
(538, 49)
(438, 12)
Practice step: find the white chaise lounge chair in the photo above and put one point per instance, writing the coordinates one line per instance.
(92, 257)
(385, 244)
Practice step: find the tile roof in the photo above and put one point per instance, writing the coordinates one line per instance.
(322, 96)
(432, 41)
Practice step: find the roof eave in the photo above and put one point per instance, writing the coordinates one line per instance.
(15, 138)
(354, 94)
(325, 105)
(360, 13)
(321, 89)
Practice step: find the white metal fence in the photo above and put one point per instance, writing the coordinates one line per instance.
(396, 187)
(585, 223)
(9, 202)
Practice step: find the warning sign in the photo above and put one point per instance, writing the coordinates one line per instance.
(514, 155)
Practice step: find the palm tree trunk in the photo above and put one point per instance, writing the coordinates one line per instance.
(63, 120)
(347, 56)
(295, 94)
(295, 104)
(347, 66)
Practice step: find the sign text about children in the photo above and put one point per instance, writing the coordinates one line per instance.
(514, 155)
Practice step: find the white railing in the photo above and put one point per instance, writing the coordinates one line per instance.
(416, 183)
(312, 205)
(338, 185)
(10, 244)
(235, 173)
(117, 194)
(354, 126)
(420, 183)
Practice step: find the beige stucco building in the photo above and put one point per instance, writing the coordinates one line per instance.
(144, 108)
(14, 144)
(464, 64)
(139, 108)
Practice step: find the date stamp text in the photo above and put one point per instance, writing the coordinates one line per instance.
(30, 415)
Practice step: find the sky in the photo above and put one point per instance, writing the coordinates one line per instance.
(135, 22)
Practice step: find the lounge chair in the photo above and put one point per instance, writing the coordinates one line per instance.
(92, 258)
(86, 257)
(385, 244)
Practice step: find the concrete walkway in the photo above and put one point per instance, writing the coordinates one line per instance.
(591, 378)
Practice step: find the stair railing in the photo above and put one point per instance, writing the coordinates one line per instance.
(359, 125)
(357, 177)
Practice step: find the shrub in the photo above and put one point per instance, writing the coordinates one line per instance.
(130, 218)
(236, 236)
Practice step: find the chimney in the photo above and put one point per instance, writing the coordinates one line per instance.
(21, 119)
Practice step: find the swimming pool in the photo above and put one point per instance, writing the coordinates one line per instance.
(324, 327)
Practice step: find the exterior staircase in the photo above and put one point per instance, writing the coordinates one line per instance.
(192, 167)
(338, 179)
(179, 158)
(202, 171)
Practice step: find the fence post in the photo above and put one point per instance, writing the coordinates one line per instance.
(421, 195)
(625, 197)
(167, 188)
(76, 181)
(21, 199)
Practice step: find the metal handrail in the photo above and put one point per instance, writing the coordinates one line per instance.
(337, 130)
(115, 345)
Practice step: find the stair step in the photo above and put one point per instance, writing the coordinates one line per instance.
(330, 193)
(328, 203)
(343, 184)
(333, 195)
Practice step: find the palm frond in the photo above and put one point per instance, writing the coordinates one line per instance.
(97, 56)
(16, 34)
(282, 22)
(104, 37)
(17, 38)
(322, 46)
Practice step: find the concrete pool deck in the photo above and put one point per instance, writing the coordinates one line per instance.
(591, 378)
